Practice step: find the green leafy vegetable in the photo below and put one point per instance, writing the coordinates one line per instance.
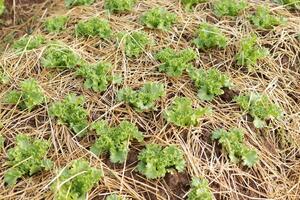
(155, 161)
(259, 107)
(210, 83)
(189, 4)
(158, 18)
(119, 5)
(174, 63)
(71, 111)
(143, 99)
(264, 20)
(2, 7)
(76, 181)
(28, 97)
(26, 158)
(232, 143)
(56, 24)
(29, 42)
(200, 190)
(93, 27)
(182, 113)
(135, 43)
(60, 56)
(115, 140)
(290, 3)
(210, 36)
(229, 7)
(73, 3)
(250, 53)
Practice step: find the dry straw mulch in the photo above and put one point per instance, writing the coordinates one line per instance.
(276, 176)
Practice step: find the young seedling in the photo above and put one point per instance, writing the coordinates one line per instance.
(199, 190)
(117, 6)
(28, 97)
(210, 83)
(250, 53)
(181, 112)
(143, 99)
(76, 181)
(156, 161)
(72, 3)
(189, 4)
(259, 107)
(232, 143)
(115, 140)
(263, 18)
(93, 27)
(210, 36)
(56, 24)
(29, 42)
(158, 18)
(229, 7)
(70, 111)
(175, 62)
(135, 43)
(26, 158)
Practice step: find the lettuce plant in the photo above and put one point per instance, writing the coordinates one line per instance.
(135, 43)
(158, 18)
(56, 24)
(189, 4)
(115, 140)
(199, 190)
(210, 83)
(28, 97)
(29, 42)
(181, 112)
(250, 53)
(119, 5)
(145, 98)
(71, 111)
(232, 143)
(26, 158)
(59, 56)
(259, 107)
(75, 181)
(155, 161)
(93, 27)
(175, 62)
(210, 36)
(263, 18)
(73, 3)
(229, 7)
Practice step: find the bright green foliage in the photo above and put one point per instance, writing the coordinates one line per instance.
(145, 98)
(59, 56)
(76, 181)
(229, 7)
(93, 27)
(73, 3)
(26, 158)
(259, 107)
(158, 18)
(2, 7)
(28, 97)
(210, 36)
(97, 76)
(250, 53)
(115, 140)
(29, 42)
(155, 161)
(135, 43)
(200, 190)
(232, 143)
(56, 24)
(119, 5)
(174, 63)
(210, 83)
(114, 197)
(264, 19)
(182, 113)
(290, 3)
(4, 79)
(189, 4)
(71, 111)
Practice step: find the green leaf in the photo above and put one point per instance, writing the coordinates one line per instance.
(11, 176)
(2, 7)
(249, 157)
(158, 18)
(73, 3)
(93, 27)
(29, 42)
(229, 7)
(189, 4)
(118, 6)
(264, 20)
(56, 24)
(200, 190)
